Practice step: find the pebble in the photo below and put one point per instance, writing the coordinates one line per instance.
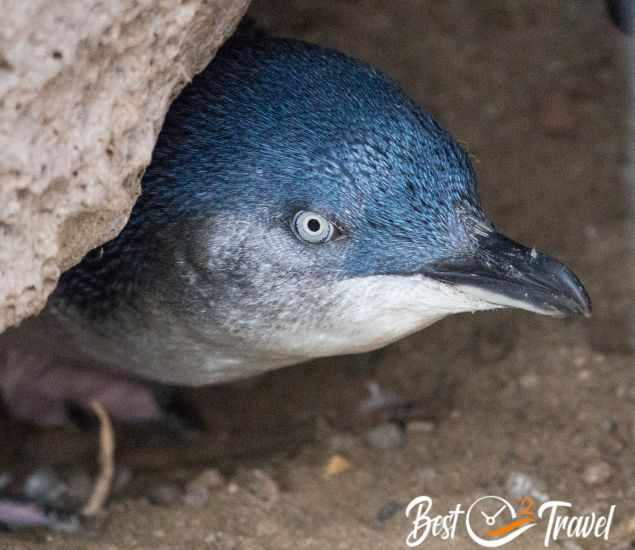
(45, 486)
(386, 436)
(260, 485)
(341, 442)
(164, 495)
(210, 478)
(198, 491)
(520, 485)
(196, 496)
(335, 466)
(388, 511)
(597, 473)
(579, 361)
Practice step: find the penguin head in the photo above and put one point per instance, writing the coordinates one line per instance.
(326, 212)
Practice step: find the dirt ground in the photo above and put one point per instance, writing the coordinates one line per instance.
(501, 403)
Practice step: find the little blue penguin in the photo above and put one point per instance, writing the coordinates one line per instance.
(298, 205)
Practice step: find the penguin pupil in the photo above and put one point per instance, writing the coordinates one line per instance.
(313, 225)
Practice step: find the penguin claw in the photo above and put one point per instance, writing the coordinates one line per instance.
(175, 418)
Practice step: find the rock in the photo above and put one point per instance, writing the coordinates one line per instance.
(84, 88)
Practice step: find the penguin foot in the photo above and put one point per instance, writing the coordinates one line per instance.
(35, 390)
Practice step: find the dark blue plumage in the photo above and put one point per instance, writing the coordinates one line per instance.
(312, 127)
(280, 125)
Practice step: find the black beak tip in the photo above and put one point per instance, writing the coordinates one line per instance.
(585, 308)
(508, 274)
(578, 299)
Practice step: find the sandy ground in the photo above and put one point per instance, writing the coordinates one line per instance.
(503, 403)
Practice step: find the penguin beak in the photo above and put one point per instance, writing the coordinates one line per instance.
(504, 273)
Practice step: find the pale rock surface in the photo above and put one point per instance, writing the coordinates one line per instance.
(84, 88)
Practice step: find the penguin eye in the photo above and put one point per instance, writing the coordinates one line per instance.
(312, 227)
